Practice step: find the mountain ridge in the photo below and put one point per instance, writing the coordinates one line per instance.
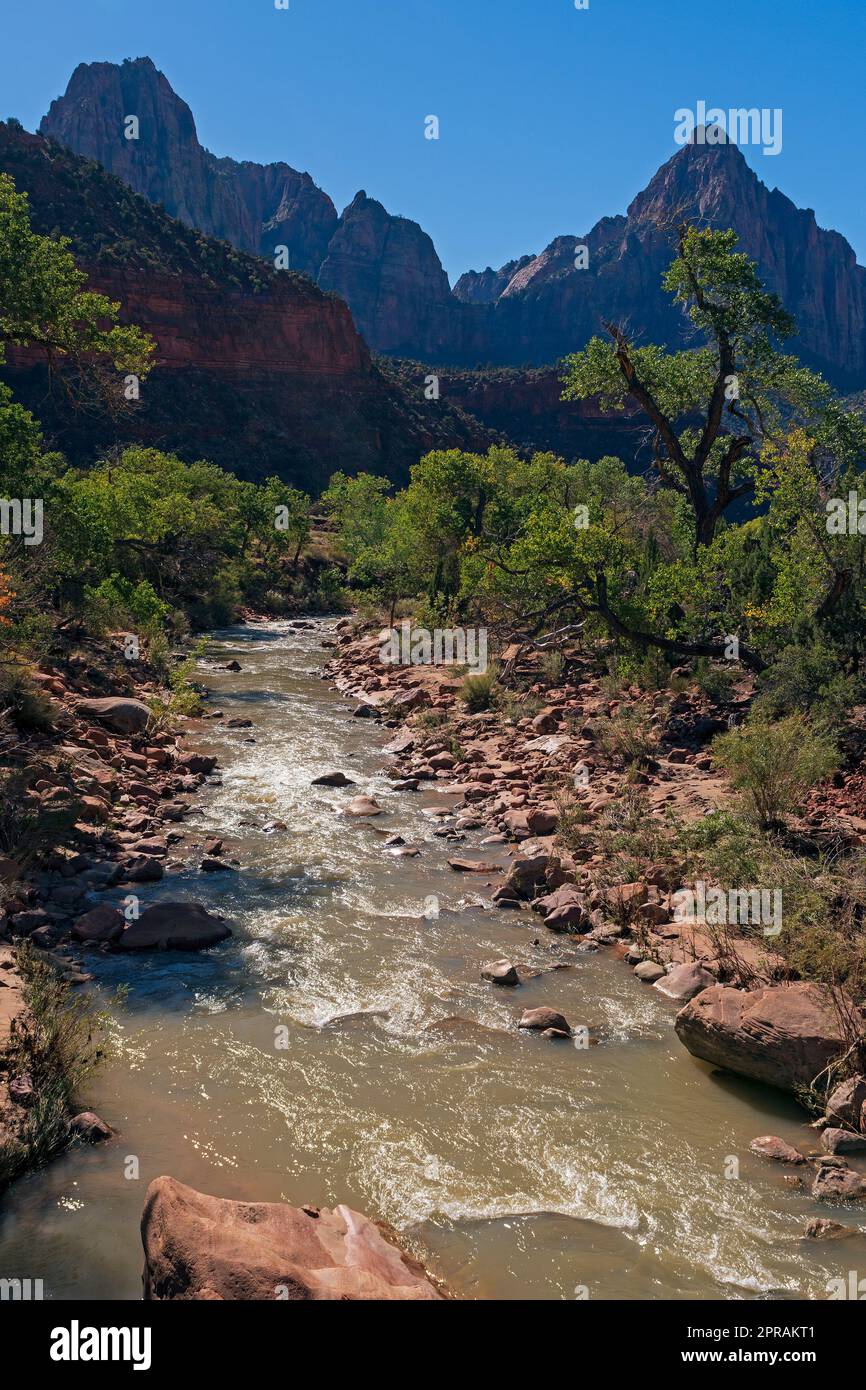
(531, 311)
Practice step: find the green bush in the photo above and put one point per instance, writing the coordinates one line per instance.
(29, 708)
(628, 735)
(775, 765)
(715, 681)
(808, 680)
(479, 692)
(58, 1042)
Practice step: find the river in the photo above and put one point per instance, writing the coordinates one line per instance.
(516, 1167)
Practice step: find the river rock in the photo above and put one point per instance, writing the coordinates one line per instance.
(818, 1229)
(472, 866)
(142, 868)
(784, 1035)
(201, 764)
(524, 874)
(838, 1185)
(563, 909)
(684, 981)
(332, 779)
(771, 1146)
(103, 923)
(649, 971)
(89, 1128)
(211, 865)
(123, 715)
(845, 1104)
(362, 806)
(542, 820)
(207, 1248)
(403, 743)
(500, 972)
(542, 1018)
(842, 1141)
(174, 926)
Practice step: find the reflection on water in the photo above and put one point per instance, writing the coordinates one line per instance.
(515, 1167)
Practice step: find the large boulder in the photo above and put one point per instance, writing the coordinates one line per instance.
(102, 923)
(206, 1248)
(564, 909)
(784, 1035)
(123, 715)
(174, 926)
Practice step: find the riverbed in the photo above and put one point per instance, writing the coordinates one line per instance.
(341, 1047)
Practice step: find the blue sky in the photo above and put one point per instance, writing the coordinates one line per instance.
(550, 117)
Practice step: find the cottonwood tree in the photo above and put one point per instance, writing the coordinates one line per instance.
(713, 408)
(44, 304)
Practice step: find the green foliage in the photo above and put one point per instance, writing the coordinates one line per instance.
(44, 302)
(479, 692)
(714, 680)
(715, 407)
(808, 680)
(21, 700)
(628, 735)
(58, 1043)
(775, 765)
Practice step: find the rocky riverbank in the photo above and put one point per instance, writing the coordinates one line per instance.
(535, 774)
(95, 801)
(511, 775)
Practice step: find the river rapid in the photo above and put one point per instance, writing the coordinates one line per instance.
(341, 1047)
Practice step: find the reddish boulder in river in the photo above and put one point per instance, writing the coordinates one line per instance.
(207, 1248)
(784, 1035)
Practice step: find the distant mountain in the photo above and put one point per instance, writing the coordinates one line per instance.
(530, 311)
(254, 206)
(257, 369)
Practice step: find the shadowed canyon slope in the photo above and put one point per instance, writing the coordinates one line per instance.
(532, 310)
(258, 370)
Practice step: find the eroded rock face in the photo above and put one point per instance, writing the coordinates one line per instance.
(534, 309)
(387, 270)
(256, 207)
(784, 1035)
(200, 1247)
(256, 369)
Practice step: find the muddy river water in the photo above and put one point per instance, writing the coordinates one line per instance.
(514, 1166)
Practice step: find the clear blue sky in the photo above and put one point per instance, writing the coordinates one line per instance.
(550, 117)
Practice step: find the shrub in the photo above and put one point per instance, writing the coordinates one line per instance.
(29, 708)
(715, 681)
(808, 680)
(628, 735)
(479, 692)
(552, 666)
(775, 765)
(58, 1043)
